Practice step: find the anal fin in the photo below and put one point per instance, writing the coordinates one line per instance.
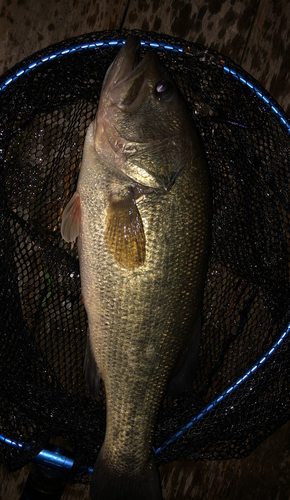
(91, 370)
(182, 377)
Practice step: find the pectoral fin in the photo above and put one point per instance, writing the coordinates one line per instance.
(124, 237)
(71, 219)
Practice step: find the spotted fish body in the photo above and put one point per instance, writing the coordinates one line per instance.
(141, 213)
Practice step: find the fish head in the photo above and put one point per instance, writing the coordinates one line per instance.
(143, 126)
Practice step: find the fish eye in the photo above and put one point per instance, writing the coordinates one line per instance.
(164, 91)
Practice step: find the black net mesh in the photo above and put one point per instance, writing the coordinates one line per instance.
(241, 391)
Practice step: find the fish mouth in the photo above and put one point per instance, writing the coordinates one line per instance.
(126, 77)
(137, 57)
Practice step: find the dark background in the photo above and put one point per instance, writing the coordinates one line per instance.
(254, 34)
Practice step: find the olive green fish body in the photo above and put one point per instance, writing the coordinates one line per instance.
(143, 224)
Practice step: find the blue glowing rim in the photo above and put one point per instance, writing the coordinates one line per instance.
(56, 457)
(163, 46)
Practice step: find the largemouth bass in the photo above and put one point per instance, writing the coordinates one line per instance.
(141, 213)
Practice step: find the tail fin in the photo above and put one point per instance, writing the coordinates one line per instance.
(108, 484)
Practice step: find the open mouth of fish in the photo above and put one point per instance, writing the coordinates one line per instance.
(130, 81)
(126, 77)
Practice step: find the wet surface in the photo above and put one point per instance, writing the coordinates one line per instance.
(254, 34)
